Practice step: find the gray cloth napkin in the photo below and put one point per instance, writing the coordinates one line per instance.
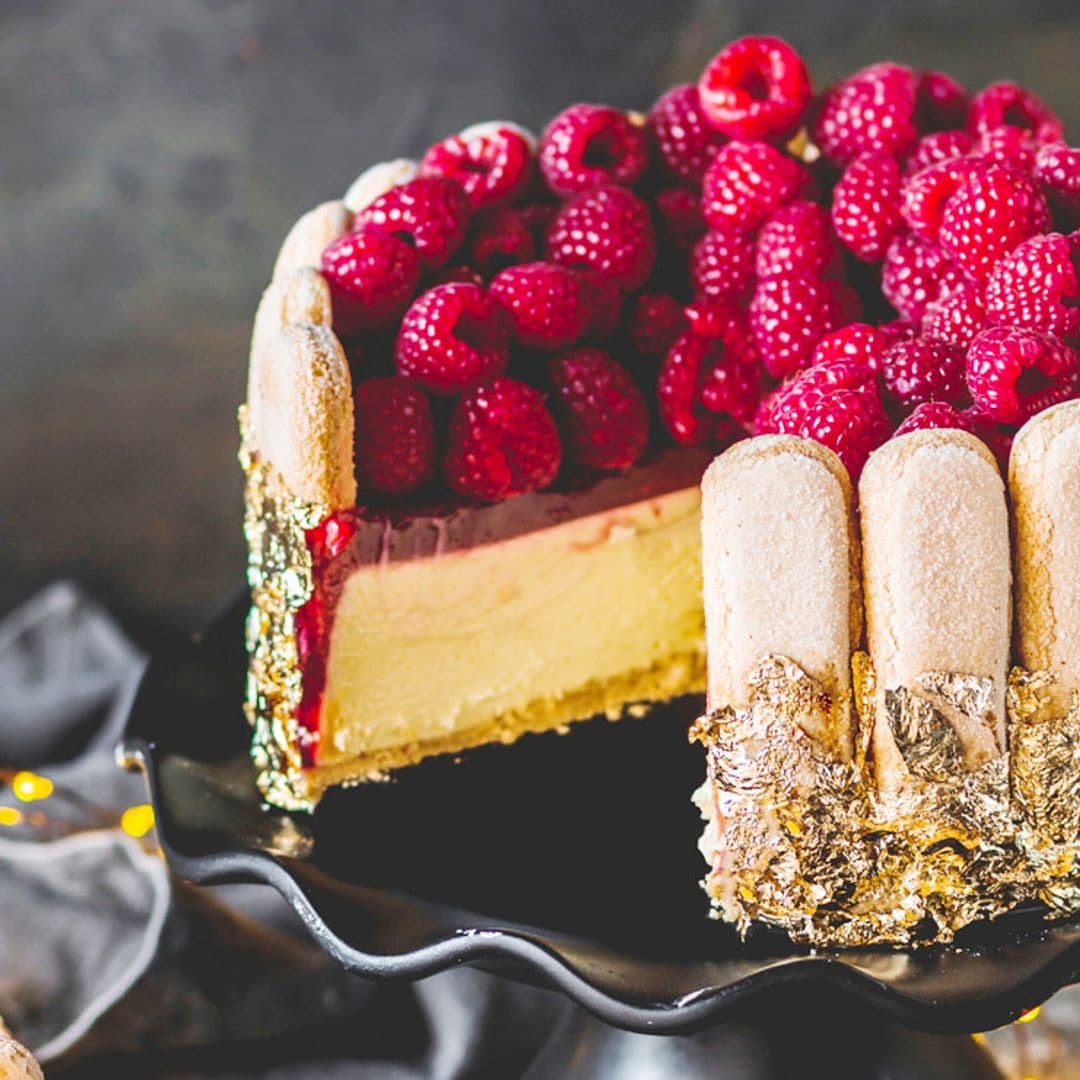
(100, 959)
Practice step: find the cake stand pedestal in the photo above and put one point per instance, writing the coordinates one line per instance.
(571, 863)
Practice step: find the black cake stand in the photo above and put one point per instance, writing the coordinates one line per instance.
(568, 862)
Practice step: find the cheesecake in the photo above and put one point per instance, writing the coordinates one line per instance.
(484, 387)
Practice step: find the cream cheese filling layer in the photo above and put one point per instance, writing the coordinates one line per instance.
(425, 648)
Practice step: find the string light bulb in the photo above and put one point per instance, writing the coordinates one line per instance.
(137, 821)
(29, 787)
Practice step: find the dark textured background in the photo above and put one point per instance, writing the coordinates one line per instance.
(152, 156)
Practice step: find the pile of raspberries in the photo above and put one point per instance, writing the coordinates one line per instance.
(891, 254)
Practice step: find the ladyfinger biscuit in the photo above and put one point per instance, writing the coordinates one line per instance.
(300, 413)
(311, 235)
(1044, 484)
(935, 551)
(780, 568)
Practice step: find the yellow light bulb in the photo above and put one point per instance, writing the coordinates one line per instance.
(9, 815)
(1031, 1014)
(137, 821)
(29, 787)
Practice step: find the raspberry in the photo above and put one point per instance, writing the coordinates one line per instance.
(923, 370)
(837, 405)
(603, 415)
(395, 436)
(913, 274)
(728, 322)
(925, 193)
(957, 315)
(1038, 286)
(431, 213)
(679, 222)
(796, 240)
(1015, 373)
(493, 167)
(934, 414)
(789, 316)
(656, 320)
(502, 442)
(453, 337)
(941, 103)
(691, 392)
(782, 412)
(871, 111)
(372, 278)
(756, 88)
(587, 146)
(857, 343)
(545, 302)
(685, 139)
(936, 147)
(608, 231)
(1009, 103)
(1007, 145)
(1057, 171)
(988, 216)
(866, 206)
(731, 389)
(747, 182)
(501, 239)
(722, 264)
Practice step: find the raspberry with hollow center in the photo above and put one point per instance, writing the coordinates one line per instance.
(870, 111)
(789, 317)
(656, 320)
(502, 442)
(545, 302)
(679, 221)
(926, 193)
(913, 274)
(957, 315)
(923, 370)
(987, 217)
(684, 138)
(492, 167)
(937, 147)
(1014, 373)
(603, 416)
(587, 146)
(718, 335)
(748, 181)
(722, 264)
(1057, 171)
(1038, 286)
(431, 213)
(941, 103)
(857, 343)
(395, 436)
(934, 414)
(796, 240)
(755, 88)
(372, 277)
(501, 239)
(453, 337)
(1010, 103)
(608, 231)
(866, 206)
